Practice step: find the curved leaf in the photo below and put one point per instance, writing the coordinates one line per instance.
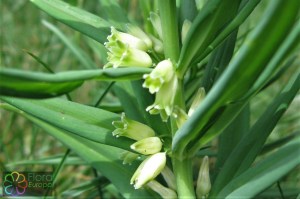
(78, 19)
(38, 85)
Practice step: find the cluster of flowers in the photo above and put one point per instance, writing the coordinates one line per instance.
(135, 48)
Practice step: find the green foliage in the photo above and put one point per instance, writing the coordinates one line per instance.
(249, 74)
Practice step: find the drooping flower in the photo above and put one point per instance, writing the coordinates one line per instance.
(162, 73)
(126, 50)
(203, 181)
(132, 129)
(148, 169)
(162, 81)
(147, 146)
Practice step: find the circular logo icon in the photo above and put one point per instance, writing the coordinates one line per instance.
(15, 184)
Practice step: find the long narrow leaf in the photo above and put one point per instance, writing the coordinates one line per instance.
(237, 79)
(91, 123)
(78, 19)
(36, 85)
(264, 174)
(252, 143)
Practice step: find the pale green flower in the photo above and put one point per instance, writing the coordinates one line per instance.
(130, 40)
(203, 181)
(132, 129)
(164, 99)
(148, 169)
(162, 73)
(147, 146)
(126, 50)
(121, 54)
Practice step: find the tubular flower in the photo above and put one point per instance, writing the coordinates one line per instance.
(132, 129)
(162, 73)
(126, 50)
(148, 169)
(147, 146)
(162, 81)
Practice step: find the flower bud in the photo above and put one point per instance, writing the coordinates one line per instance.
(164, 192)
(200, 95)
(180, 116)
(163, 72)
(128, 157)
(155, 20)
(139, 33)
(185, 29)
(203, 181)
(148, 170)
(157, 45)
(147, 146)
(132, 129)
(169, 177)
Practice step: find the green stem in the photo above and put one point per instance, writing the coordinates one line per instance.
(168, 17)
(184, 179)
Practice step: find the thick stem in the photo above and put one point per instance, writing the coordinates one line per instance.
(168, 17)
(184, 180)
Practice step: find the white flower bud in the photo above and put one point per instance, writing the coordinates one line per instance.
(148, 170)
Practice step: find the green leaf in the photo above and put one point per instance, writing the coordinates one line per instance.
(244, 12)
(263, 174)
(53, 160)
(237, 79)
(213, 16)
(79, 54)
(102, 157)
(78, 19)
(91, 123)
(39, 85)
(245, 152)
(113, 13)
